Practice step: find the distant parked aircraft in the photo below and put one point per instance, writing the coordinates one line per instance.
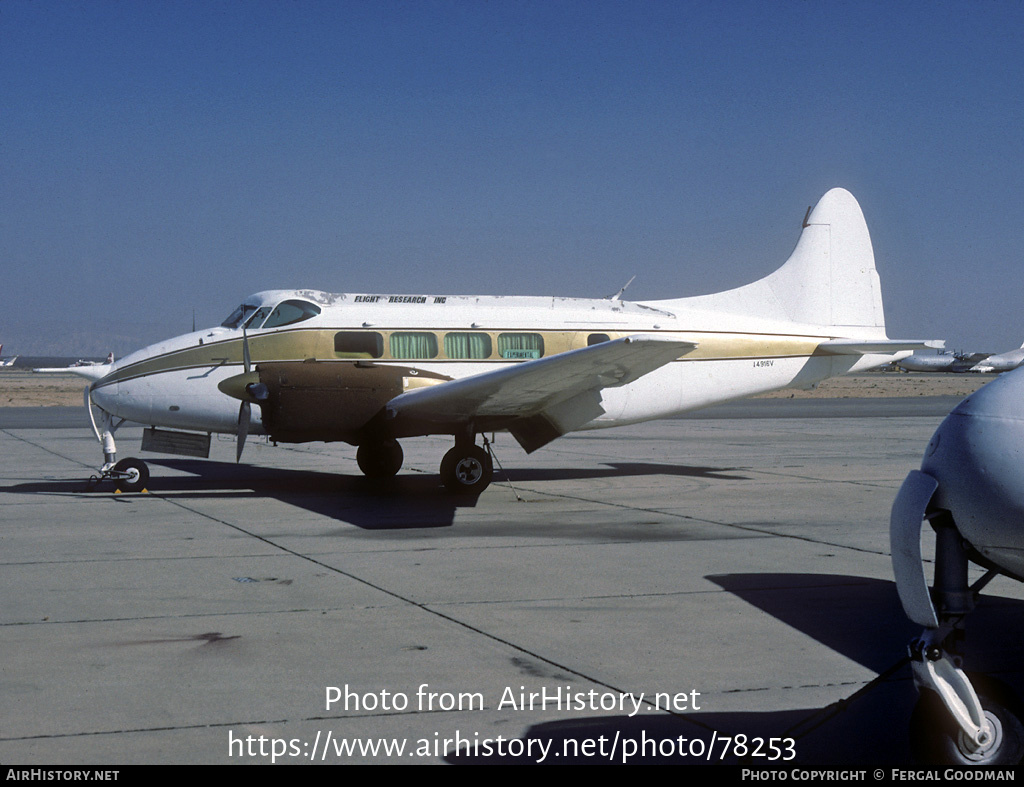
(961, 363)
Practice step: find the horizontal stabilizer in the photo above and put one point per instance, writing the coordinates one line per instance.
(857, 347)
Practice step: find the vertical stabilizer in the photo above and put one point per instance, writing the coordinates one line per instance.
(830, 277)
(828, 280)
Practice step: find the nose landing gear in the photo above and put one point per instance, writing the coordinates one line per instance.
(128, 475)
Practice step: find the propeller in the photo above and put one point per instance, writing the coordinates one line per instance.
(248, 389)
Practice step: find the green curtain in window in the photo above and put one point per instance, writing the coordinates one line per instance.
(520, 345)
(413, 345)
(467, 345)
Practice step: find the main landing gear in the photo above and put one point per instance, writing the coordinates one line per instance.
(379, 460)
(466, 469)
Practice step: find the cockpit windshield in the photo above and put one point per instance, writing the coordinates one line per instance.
(239, 315)
(286, 313)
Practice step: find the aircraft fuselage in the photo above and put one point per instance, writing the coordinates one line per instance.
(427, 339)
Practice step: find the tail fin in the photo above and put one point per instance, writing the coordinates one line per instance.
(828, 280)
(830, 277)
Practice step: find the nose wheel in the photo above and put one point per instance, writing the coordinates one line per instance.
(128, 475)
(466, 469)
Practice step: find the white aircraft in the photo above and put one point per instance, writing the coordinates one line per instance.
(83, 362)
(370, 369)
(1003, 362)
(962, 363)
(6, 362)
(970, 489)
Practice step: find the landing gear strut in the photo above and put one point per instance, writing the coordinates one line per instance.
(937, 738)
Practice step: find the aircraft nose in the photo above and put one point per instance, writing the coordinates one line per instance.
(97, 395)
(104, 396)
(976, 456)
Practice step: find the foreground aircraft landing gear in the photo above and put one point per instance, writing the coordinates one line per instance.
(958, 720)
(935, 736)
(467, 469)
(380, 460)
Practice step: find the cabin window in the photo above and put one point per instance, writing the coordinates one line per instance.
(359, 344)
(517, 346)
(474, 346)
(413, 344)
(597, 338)
(289, 312)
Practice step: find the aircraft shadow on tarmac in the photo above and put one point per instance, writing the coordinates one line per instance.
(868, 727)
(407, 501)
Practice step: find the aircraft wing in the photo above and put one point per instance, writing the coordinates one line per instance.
(540, 400)
(861, 347)
(88, 372)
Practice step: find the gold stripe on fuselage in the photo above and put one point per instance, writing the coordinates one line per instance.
(318, 344)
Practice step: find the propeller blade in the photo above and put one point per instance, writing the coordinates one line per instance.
(244, 415)
(246, 358)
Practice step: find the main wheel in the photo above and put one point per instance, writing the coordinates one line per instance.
(467, 470)
(131, 475)
(380, 460)
(936, 739)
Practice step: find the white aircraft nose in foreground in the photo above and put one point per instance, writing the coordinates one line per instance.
(373, 368)
(970, 489)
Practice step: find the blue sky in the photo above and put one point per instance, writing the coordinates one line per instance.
(162, 157)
